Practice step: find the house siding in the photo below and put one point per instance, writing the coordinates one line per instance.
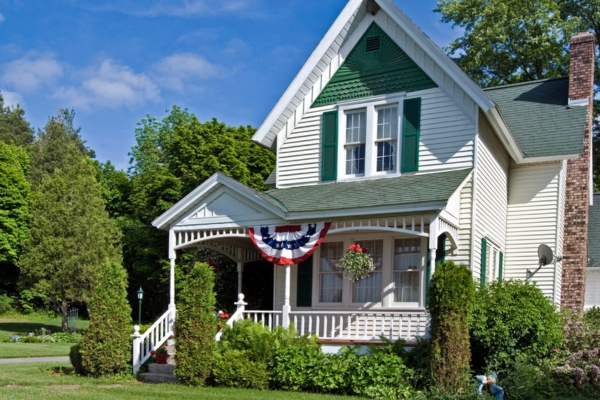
(462, 254)
(491, 193)
(533, 204)
(446, 141)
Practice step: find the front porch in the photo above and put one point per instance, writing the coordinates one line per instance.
(404, 238)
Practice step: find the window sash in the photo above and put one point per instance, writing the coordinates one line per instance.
(368, 290)
(330, 274)
(407, 267)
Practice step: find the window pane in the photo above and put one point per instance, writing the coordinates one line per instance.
(369, 289)
(356, 127)
(387, 123)
(386, 156)
(407, 265)
(330, 274)
(355, 159)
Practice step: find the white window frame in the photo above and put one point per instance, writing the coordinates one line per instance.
(370, 106)
(492, 260)
(387, 274)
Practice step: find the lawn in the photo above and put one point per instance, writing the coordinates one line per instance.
(23, 324)
(39, 381)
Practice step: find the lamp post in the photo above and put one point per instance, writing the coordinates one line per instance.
(140, 294)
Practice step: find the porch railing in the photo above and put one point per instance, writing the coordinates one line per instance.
(152, 339)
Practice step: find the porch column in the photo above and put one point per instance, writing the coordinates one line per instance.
(240, 270)
(433, 235)
(286, 304)
(172, 257)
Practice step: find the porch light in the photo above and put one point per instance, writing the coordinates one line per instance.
(140, 296)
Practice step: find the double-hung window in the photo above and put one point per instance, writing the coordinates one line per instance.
(356, 132)
(330, 273)
(368, 290)
(492, 260)
(371, 138)
(407, 264)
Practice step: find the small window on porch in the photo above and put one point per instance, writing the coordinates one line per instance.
(330, 273)
(368, 290)
(407, 266)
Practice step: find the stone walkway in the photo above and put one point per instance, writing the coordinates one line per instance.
(33, 360)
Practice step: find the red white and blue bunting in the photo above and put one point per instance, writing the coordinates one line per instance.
(289, 244)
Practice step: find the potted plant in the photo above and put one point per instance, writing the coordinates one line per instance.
(222, 318)
(161, 355)
(356, 263)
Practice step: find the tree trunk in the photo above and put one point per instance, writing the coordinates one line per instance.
(64, 311)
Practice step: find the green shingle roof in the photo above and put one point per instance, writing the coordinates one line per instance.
(402, 190)
(367, 73)
(539, 118)
(594, 231)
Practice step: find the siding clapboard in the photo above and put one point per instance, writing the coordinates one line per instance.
(463, 252)
(446, 141)
(492, 194)
(533, 203)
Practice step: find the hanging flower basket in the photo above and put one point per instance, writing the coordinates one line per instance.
(356, 263)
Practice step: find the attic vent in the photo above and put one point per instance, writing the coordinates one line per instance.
(373, 43)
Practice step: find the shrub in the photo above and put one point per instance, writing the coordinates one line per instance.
(525, 381)
(196, 325)
(258, 341)
(381, 369)
(66, 337)
(5, 304)
(75, 357)
(451, 294)
(106, 344)
(292, 366)
(512, 319)
(235, 369)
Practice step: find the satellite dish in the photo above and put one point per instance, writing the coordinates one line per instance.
(545, 255)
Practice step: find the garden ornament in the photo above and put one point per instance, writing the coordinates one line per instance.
(490, 381)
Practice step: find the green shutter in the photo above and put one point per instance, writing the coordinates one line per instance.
(500, 265)
(483, 261)
(440, 252)
(411, 127)
(304, 283)
(329, 136)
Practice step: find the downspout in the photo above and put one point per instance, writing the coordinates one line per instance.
(474, 195)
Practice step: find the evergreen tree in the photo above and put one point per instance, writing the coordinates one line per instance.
(106, 345)
(14, 211)
(14, 129)
(70, 234)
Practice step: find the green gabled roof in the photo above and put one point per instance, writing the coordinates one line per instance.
(538, 116)
(369, 73)
(271, 180)
(402, 190)
(594, 231)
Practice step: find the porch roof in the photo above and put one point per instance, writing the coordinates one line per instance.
(402, 190)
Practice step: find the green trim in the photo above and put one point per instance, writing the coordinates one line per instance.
(370, 73)
(411, 134)
(329, 134)
(500, 265)
(483, 262)
(304, 283)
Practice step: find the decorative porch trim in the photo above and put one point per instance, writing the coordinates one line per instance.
(449, 229)
(413, 225)
(187, 238)
(237, 254)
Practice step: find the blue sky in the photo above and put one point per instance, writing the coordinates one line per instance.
(114, 61)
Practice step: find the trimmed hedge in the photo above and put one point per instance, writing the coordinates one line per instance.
(196, 326)
(106, 344)
(235, 369)
(451, 294)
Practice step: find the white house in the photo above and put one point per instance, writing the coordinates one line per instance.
(381, 135)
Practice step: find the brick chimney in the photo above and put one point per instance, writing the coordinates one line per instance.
(577, 201)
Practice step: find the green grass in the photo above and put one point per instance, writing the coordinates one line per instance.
(19, 350)
(23, 324)
(38, 380)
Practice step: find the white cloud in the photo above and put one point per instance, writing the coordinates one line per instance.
(111, 85)
(180, 69)
(28, 73)
(176, 8)
(11, 99)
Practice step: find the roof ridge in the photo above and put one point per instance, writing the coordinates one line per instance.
(524, 83)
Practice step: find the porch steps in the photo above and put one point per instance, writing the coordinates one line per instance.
(159, 373)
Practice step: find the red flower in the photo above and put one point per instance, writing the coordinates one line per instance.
(152, 352)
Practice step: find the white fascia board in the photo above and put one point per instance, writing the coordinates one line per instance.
(505, 135)
(305, 71)
(173, 213)
(445, 62)
(368, 212)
